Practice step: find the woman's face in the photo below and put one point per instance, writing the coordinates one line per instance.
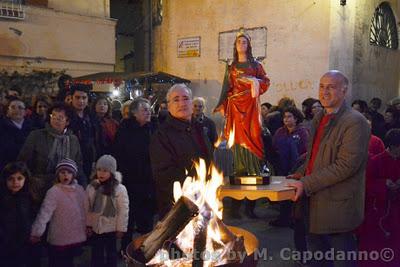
(315, 108)
(101, 107)
(264, 111)
(289, 120)
(388, 117)
(41, 108)
(241, 45)
(59, 120)
(143, 114)
(15, 182)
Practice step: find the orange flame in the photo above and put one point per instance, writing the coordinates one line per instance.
(231, 139)
(201, 190)
(219, 140)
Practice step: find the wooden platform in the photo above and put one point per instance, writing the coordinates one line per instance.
(277, 190)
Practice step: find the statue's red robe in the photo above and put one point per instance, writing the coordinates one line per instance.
(241, 110)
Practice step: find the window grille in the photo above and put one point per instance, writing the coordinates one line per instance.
(12, 9)
(383, 27)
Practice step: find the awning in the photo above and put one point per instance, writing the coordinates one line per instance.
(141, 77)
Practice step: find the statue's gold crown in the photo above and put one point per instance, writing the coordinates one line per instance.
(242, 32)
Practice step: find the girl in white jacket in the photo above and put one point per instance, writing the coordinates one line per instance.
(64, 206)
(107, 216)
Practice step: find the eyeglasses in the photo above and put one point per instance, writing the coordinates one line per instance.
(58, 118)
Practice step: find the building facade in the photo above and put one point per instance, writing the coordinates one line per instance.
(304, 39)
(71, 35)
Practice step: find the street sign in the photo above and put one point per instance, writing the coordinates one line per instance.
(189, 47)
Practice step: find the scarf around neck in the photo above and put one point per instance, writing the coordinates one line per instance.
(102, 203)
(60, 148)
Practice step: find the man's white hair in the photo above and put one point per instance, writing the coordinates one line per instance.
(176, 87)
(199, 99)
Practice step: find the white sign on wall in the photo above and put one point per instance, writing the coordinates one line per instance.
(258, 43)
(189, 47)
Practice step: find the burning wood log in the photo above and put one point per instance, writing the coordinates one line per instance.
(227, 238)
(199, 246)
(173, 223)
(200, 238)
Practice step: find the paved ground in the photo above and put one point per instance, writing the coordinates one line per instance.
(272, 239)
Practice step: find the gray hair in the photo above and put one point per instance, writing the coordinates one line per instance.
(136, 103)
(176, 87)
(199, 99)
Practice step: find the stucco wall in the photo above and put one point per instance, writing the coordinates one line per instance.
(297, 42)
(96, 8)
(58, 40)
(341, 37)
(376, 69)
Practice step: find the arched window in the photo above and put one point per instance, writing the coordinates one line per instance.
(383, 27)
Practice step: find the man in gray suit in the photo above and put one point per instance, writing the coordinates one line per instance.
(333, 176)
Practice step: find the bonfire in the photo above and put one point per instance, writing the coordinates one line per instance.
(192, 233)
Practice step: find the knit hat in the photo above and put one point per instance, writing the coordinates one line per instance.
(67, 164)
(107, 162)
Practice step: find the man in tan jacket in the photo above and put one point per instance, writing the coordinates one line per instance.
(333, 176)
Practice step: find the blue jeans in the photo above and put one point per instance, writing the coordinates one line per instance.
(340, 242)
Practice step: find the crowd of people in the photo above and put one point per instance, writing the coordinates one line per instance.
(78, 172)
(51, 153)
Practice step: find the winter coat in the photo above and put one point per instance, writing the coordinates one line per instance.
(64, 206)
(208, 127)
(36, 152)
(380, 229)
(131, 149)
(37, 121)
(289, 147)
(336, 185)
(102, 224)
(12, 139)
(17, 214)
(91, 139)
(110, 127)
(173, 149)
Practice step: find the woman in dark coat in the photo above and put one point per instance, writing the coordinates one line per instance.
(44, 148)
(40, 114)
(131, 149)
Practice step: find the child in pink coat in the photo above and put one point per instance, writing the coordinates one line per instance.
(65, 207)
